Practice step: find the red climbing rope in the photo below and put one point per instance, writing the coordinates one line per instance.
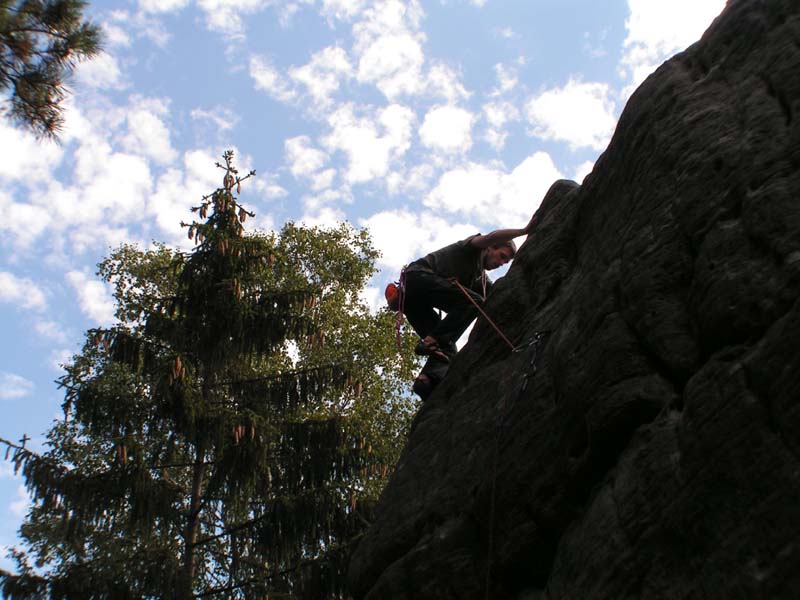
(401, 309)
(485, 316)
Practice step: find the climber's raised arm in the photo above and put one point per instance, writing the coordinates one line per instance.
(501, 236)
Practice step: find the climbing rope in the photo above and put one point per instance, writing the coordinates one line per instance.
(533, 346)
(483, 313)
(401, 309)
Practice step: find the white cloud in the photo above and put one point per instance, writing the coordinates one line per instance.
(267, 185)
(80, 125)
(7, 471)
(326, 216)
(14, 386)
(287, 11)
(114, 35)
(390, 55)
(324, 208)
(101, 72)
(94, 297)
(657, 30)
(58, 358)
(147, 134)
(25, 159)
(373, 297)
(583, 170)
(498, 114)
(145, 26)
(21, 292)
(496, 138)
(322, 74)
(222, 117)
(104, 197)
(110, 196)
(507, 79)
(226, 15)
(112, 187)
(22, 222)
(397, 121)
(445, 82)
(594, 46)
(447, 129)
(199, 168)
(388, 16)
(389, 46)
(323, 180)
(581, 114)
(394, 64)
(403, 236)
(327, 198)
(162, 6)
(370, 144)
(493, 196)
(413, 180)
(178, 190)
(20, 505)
(84, 238)
(342, 9)
(304, 160)
(263, 222)
(507, 33)
(105, 193)
(269, 80)
(419, 177)
(50, 330)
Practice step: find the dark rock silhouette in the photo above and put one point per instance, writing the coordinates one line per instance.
(648, 447)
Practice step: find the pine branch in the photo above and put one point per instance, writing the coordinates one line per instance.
(250, 522)
(22, 454)
(278, 573)
(178, 465)
(322, 370)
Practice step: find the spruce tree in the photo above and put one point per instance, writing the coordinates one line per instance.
(40, 43)
(229, 436)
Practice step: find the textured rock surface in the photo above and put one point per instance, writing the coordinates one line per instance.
(651, 448)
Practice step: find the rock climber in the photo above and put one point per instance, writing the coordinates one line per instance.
(429, 285)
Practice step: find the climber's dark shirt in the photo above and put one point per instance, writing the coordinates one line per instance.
(461, 260)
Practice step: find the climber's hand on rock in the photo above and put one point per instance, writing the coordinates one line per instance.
(531, 224)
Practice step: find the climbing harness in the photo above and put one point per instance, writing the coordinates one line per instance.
(533, 346)
(395, 294)
(483, 313)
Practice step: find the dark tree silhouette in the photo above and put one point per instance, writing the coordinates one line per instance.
(40, 43)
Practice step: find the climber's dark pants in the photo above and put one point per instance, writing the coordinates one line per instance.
(427, 291)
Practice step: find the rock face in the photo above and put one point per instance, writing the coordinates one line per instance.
(648, 446)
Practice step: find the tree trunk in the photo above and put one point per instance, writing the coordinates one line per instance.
(185, 585)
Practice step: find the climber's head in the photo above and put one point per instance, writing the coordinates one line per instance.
(498, 255)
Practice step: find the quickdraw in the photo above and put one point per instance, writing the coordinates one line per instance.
(533, 346)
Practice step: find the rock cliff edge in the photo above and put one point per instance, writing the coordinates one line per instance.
(647, 445)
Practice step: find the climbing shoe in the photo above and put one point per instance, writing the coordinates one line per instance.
(423, 386)
(424, 348)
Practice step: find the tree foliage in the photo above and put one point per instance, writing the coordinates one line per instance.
(40, 42)
(230, 435)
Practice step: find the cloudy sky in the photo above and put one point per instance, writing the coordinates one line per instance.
(422, 120)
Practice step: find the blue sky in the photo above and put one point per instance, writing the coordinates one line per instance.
(425, 121)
